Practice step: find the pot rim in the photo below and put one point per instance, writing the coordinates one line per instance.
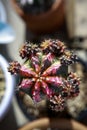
(60, 123)
(7, 98)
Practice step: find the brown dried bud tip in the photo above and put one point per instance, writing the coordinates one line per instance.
(71, 86)
(14, 67)
(54, 46)
(73, 80)
(57, 103)
(28, 50)
(68, 58)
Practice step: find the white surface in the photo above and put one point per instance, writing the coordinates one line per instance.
(9, 88)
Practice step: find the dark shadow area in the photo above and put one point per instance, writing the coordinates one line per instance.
(9, 122)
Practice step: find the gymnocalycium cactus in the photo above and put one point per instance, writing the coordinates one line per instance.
(44, 73)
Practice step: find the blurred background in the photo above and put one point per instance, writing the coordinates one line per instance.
(35, 20)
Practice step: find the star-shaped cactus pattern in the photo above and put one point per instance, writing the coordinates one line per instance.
(44, 74)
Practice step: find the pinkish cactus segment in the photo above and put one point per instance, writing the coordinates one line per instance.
(44, 73)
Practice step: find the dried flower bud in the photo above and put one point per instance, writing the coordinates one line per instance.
(71, 86)
(28, 50)
(54, 46)
(68, 58)
(14, 67)
(57, 103)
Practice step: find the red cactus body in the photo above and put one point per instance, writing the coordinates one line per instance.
(42, 74)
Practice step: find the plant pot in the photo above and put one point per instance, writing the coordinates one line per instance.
(62, 124)
(9, 88)
(44, 22)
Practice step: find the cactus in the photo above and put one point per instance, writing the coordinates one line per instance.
(44, 74)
